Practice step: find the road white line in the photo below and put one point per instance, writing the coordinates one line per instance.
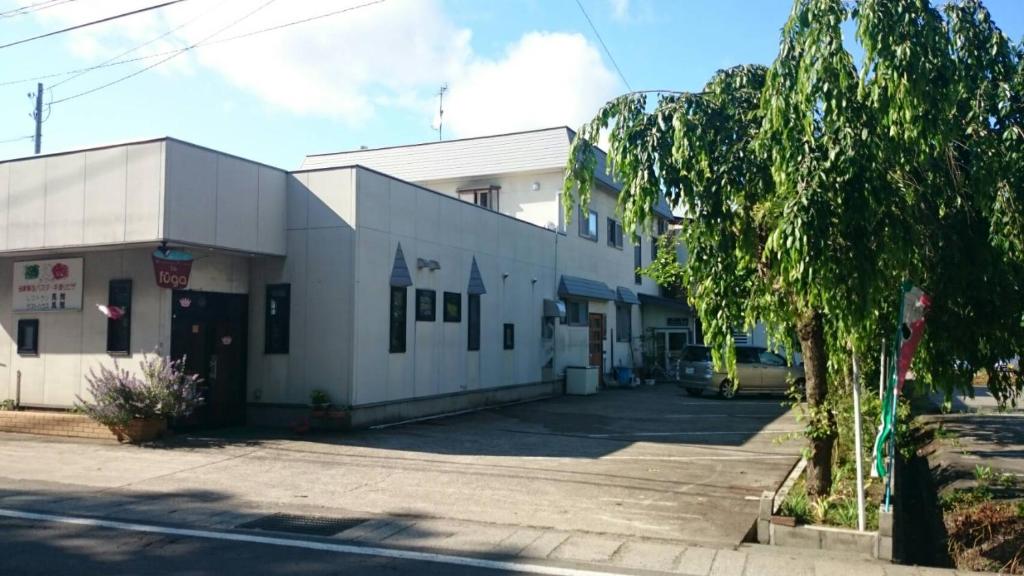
(701, 433)
(696, 458)
(307, 544)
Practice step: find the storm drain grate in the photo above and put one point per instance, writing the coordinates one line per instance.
(312, 525)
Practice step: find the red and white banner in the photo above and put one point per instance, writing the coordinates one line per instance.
(915, 306)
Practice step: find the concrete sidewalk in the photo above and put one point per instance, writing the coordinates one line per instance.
(576, 549)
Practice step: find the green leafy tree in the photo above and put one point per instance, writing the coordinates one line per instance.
(809, 190)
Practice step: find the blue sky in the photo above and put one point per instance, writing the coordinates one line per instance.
(369, 76)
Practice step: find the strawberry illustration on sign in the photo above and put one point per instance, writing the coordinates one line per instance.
(59, 271)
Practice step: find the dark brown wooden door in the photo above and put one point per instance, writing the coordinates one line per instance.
(597, 340)
(208, 329)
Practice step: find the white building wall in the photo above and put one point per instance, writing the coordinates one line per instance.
(517, 266)
(319, 266)
(72, 342)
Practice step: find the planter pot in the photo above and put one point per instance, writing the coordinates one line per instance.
(141, 430)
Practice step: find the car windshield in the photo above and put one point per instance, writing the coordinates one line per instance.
(697, 354)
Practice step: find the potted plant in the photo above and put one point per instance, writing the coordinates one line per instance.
(137, 409)
(320, 402)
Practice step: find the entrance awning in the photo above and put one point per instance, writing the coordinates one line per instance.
(626, 296)
(576, 287)
(673, 303)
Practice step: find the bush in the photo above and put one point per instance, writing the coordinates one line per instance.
(164, 391)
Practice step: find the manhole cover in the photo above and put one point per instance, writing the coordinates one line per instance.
(313, 525)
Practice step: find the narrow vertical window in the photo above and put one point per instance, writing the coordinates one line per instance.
(654, 248)
(426, 305)
(452, 307)
(474, 322)
(638, 263)
(399, 307)
(28, 337)
(623, 323)
(277, 318)
(119, 317)
(509, 336)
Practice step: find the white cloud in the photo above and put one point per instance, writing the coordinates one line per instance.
(544, 79)
(360, 64)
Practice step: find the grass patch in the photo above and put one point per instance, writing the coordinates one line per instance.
(988, 536)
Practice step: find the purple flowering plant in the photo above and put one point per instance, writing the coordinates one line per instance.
(164, 390)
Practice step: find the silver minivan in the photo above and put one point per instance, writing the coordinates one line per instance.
(760, 371)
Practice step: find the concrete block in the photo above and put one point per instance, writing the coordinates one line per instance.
(695, 560)
(647, 556)
(796, 537)
(849, 541)
(772, 565)
(885, 521)
(542, 546)
(580, 548)
(764, 531)
(728, 563)
(835, 568)
(883, 548)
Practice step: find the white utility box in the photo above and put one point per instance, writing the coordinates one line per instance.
(581, 380)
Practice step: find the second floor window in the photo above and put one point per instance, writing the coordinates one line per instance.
(614, 233)
(486, 197)
(588, 224)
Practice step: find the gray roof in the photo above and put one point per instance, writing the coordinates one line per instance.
(673, 303)
(476, 283)
(626, 296)
(534, 150)
(399, 271)
(574, 286)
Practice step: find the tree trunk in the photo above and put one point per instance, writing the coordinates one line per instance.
(812, 345)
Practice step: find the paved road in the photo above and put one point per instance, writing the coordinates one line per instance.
(29, 547)
(633, 479)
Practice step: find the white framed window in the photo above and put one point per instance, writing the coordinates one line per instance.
(614, 233)
(623, 323)
(588, 224)
(486, 197)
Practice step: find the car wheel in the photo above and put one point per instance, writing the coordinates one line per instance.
(726, 390)
(694, 391)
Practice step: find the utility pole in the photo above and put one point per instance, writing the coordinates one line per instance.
(440, 111)
(38, 116)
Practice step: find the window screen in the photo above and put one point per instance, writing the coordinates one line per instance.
(119, 320)
(426, 305)
(474, 322)
(452, 307)
(278, 318)
(28, 337)
(399, 309)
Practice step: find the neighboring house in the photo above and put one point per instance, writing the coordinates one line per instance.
(522, 175)
(403, 282)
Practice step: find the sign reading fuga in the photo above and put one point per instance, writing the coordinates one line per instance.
(41, 285)
(172, 268)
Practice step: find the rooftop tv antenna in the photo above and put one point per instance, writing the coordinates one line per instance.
(440, 111)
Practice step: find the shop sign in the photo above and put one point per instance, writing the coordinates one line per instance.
(48, 285)
(172, 268)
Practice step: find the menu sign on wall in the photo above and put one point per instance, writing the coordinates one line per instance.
(41, 285)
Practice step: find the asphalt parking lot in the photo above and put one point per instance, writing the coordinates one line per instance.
(645, 463)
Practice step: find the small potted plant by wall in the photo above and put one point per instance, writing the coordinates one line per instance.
(137, 409)
(320, 402)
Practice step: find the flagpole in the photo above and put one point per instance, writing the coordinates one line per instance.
(857, 442)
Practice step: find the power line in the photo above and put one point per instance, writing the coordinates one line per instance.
(18, 139)
(33, 8)
(201, 44)
(93, 23)
(603, 45)
(205, 42)
(176, 53)
(107, 62)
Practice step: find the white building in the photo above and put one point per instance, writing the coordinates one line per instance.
(402, 281)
